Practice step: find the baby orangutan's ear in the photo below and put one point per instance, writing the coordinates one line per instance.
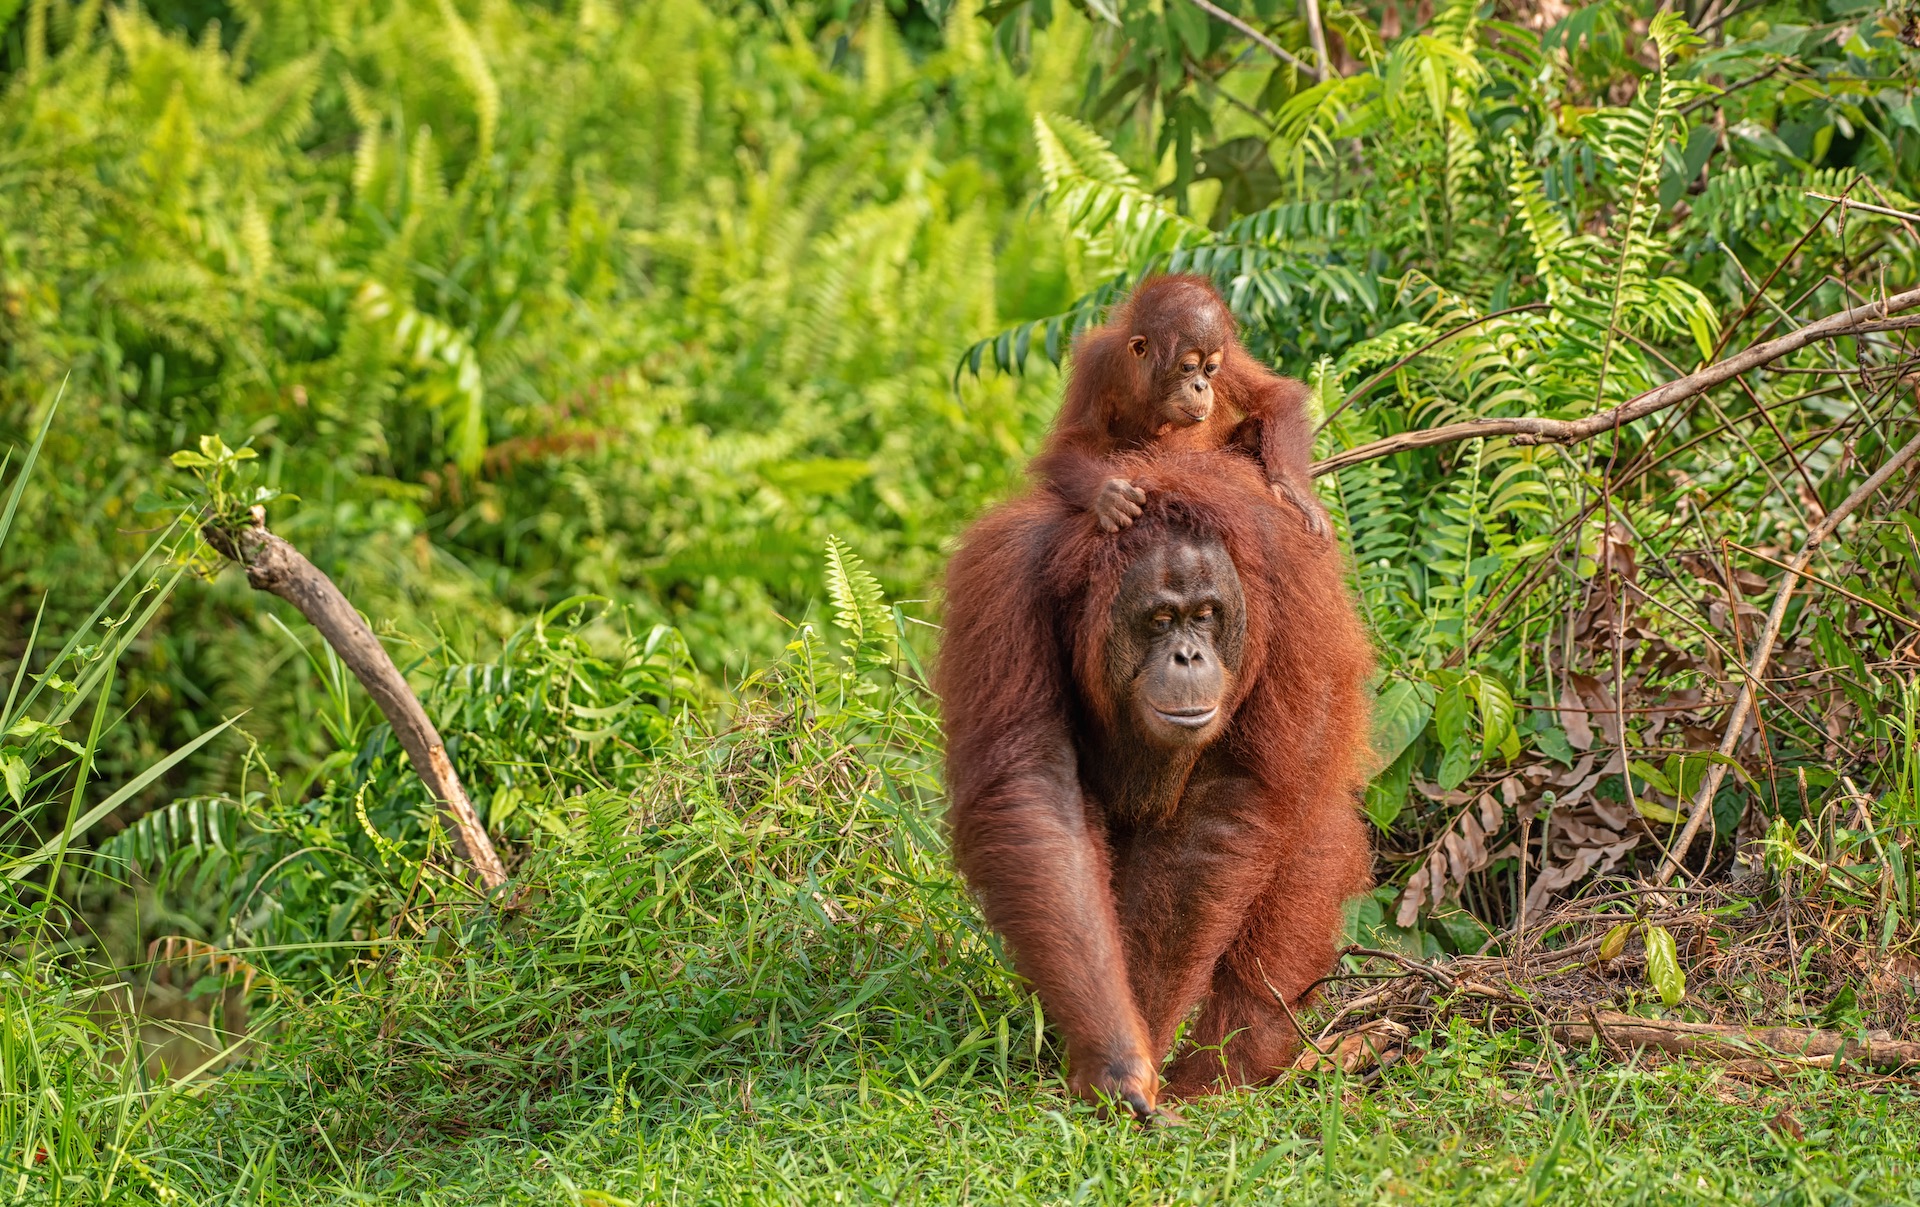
(1139, 345)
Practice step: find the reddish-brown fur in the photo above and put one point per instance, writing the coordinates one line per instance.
(1127, 912)
(1112, 405)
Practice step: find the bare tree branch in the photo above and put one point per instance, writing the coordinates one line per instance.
(1259, 39)
(1763, 651)
(1317, 35)
(1526, 429)
(1903, 215)
(275, 566)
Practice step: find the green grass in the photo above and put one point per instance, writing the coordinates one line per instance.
(1464, 1126)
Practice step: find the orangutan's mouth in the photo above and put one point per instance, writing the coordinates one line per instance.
(1189, 718)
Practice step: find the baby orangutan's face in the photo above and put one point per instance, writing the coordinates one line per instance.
(1183, 388)
(1179, 341)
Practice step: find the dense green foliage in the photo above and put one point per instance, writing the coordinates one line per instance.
(599, 349)
(518, 305)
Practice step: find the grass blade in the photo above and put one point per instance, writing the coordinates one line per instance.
(26, 466)
(25, 864)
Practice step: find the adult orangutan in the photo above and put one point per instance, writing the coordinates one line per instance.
(1156, 742)
(1168, 371)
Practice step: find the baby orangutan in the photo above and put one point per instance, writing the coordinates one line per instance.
(1167, 370)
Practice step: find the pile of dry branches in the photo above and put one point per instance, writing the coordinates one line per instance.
(1756, 949)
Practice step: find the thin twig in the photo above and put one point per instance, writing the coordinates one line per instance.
(1759, 294)
(1415, 966)
(1282, 999)
(1317, 35)
(1259, 39)
(1763, 651)
(1728, 91)
(1906, 215)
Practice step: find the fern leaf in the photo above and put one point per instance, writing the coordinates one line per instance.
(859, 606)
(470, 61)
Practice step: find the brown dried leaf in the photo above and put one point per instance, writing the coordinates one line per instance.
(1370, 1043)
(1459, 854)
(1582, 766)
(1600, 706)
(1573, 718)
(1410, 899)
(1703, 566)
(1615, 551)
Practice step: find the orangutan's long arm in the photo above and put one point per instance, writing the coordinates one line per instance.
(1040, 866)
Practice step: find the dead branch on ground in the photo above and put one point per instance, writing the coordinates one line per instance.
(1713, 1041)
(1575, 977)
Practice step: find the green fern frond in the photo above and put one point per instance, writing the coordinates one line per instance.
(449, 374)
(187, 830)
(1100, 201)
(859, 606)
(470, 61)
(1306, 126)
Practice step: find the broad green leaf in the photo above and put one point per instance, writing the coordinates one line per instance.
(1457, 764)
(1496, 715)
(1400, 713)
(28, 727)
(1551, 741)
(1663, 965)
(1451, 712)
(1387, 794)
(14, 774)
(1652, 775)
(1654, 811)
(1192, 26)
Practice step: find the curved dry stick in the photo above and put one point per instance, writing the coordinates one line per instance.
(1527, 429)
(275, 566)
(1763, 650)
